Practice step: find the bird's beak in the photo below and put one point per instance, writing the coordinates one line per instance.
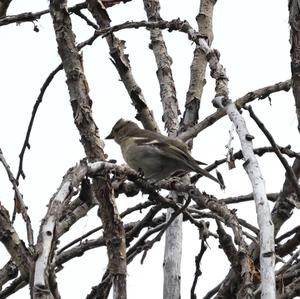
(110, 136)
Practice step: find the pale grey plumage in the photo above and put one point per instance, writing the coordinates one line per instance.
(157, 156)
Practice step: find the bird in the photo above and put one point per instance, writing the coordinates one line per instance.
(154, 155)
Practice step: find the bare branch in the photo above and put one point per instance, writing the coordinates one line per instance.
(86, 19)
(198, 272)
(289, 263)
(137, 207)
(290, 173)
(16, 285)
(267, 250)
(157, 238)
(217, 70)
(20, 206)
(122, 64)
(20, 255)
(198, 66)
(71, 214)
(78, 86)
(288, 234)
(31, 17)
(78, 250)
(39, 100)
(228, 246)
(132, 230)
(83, 117)
(3, 7)
(8, 272)
(289, 246)
(243, 198)
(164, 71)
(261, 93)
(294, 14)
(26, 143)
(173, 228)
(102, 289)
(138, 246)
(291, 291)
(47, 237)
(239, 155)
(282, 210)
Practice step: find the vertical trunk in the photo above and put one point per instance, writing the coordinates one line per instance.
(173, 245)
(294, 16)
(172, 257)
(93, 145)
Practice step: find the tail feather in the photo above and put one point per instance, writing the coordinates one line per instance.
(208, 175)
(200, 163)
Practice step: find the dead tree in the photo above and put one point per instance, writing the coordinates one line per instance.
(97, 180)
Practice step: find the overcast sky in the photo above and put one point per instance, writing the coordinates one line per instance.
(253, 39)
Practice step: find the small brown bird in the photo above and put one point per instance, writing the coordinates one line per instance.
(156, 155)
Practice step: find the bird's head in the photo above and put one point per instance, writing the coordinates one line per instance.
(122, 129)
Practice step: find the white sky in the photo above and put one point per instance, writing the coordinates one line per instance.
(253, 38)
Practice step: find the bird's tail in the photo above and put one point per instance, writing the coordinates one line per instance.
(204, 172)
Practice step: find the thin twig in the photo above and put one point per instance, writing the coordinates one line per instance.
(157, 238)
(31, 17)
(239, 155)
(137, 247)
(39, 100)
(139, 207)
(198, 272)
(249, 197)
(86, 19)
(26, 143)
(20, 206)
(289, 170)
(289, 246)
(288, 264)
(288, 234)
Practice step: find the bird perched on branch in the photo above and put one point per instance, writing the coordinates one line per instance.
(157, 156)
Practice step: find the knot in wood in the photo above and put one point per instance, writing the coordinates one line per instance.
(249, 137)
(220, 101)
(74, 74)
(115, 241)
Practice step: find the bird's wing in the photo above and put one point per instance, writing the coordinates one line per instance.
(168, 150)
(182, 146)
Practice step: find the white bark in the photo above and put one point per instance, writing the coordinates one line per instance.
(172, 256)
(267, 251)
(40, 280)
(47, 237)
